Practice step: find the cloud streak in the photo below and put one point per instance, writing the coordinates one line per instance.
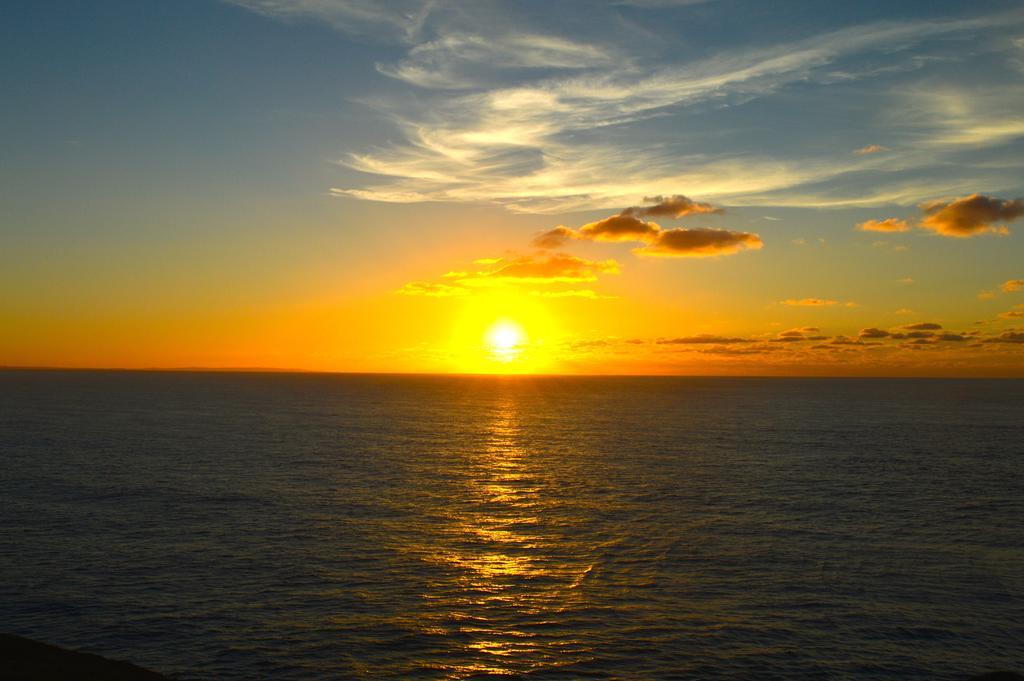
(524, 271)
(887, 225)
(815, 302)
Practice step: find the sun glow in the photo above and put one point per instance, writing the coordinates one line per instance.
(503, 333)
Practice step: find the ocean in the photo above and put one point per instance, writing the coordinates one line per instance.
(315, 526)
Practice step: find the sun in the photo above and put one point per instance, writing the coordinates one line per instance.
(504, 335)
(503, 332)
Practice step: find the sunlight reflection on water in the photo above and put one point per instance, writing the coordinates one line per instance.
(503, 569)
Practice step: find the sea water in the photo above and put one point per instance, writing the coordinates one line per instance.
(304, 526)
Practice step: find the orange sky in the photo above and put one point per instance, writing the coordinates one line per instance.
(331, 191)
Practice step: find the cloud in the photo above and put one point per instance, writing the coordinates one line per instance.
(396, 19)
(970, 216)
(677, 206)
(527, 269)
(701, 339)
(1015, 313)
(843, 340)
(803, 333)
(873, 332)
(887, 225)
(424, 288)
(553, 121)
(901, 335)
(554, 238)
(699, 243)
(620, 227)
(520, 271)
(809, 302)
(986, 295)
(923, 326)
(1007, 337)
(626, 226)
(870, 149)
(728, 351)
(464, 60)
(1012, 285)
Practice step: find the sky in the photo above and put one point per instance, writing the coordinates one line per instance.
(628, 187)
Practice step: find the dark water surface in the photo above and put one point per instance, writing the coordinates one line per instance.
(245, 526)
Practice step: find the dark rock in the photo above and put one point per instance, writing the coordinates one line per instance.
(22, 659)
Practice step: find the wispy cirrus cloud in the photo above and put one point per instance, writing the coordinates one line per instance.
(545, 119)
(394, 20)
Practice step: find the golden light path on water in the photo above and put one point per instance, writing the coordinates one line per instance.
(510, 581)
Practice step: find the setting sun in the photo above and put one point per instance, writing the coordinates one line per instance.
(505, 335)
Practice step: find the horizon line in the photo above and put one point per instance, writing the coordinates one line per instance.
(453, 374)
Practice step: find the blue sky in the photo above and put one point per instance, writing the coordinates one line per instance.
(538, 106)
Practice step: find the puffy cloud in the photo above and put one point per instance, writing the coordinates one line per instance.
(923, 326)
(699, 243)
(970, 216)
(887, 225)
(628, 226)
(1016, 313)
(677, 206)
(1012, 285)
(622, 227)
(870, 149)
(873, 333)
(554, 238)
